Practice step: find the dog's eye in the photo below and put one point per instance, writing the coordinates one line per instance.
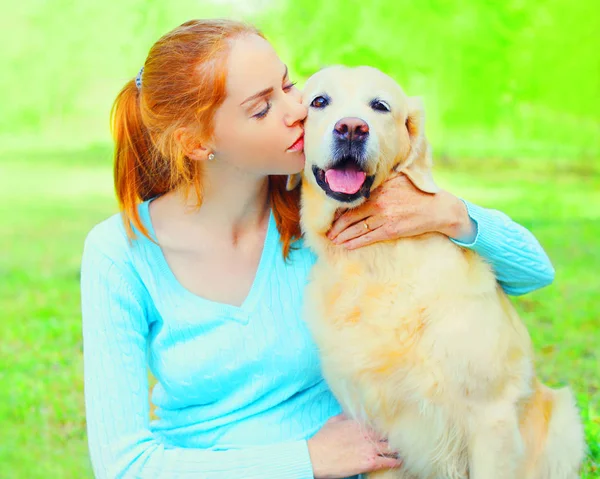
(319, 102)
(379, 105)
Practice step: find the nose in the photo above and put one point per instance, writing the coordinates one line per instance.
(297, 112)
(351, 129)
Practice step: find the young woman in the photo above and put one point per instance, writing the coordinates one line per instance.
(200, 279)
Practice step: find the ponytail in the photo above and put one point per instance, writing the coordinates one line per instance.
(135, 177)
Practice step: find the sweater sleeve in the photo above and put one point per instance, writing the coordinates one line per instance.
(517, 258)
(121, 444)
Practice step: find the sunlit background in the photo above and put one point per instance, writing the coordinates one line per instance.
(512, 95)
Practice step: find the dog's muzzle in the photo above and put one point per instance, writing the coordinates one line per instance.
(345, 178)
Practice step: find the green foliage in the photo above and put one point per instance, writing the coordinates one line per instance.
(511, 79)
(507, 79)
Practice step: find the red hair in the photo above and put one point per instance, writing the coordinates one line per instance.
(183, 84)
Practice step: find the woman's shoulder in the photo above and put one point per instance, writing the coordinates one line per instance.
(109, 239)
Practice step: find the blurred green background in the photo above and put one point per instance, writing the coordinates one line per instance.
(512, 94)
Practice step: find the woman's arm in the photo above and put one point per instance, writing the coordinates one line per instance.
(517, 258)
(398, 209)
(115, 331)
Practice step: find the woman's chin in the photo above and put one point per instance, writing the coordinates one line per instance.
(294, 163)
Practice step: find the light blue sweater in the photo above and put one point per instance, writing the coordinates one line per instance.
(239, 388)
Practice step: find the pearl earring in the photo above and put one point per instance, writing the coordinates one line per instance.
(211, 157)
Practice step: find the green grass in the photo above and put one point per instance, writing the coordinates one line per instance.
(48, 202)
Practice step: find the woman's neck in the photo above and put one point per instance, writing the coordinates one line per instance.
(230, 207)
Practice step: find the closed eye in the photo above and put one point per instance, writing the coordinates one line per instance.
(261, 114)
(289, 86)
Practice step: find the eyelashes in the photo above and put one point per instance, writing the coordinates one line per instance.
(261, 114)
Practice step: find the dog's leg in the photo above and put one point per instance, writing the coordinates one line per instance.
(563, 447)
(496, 449)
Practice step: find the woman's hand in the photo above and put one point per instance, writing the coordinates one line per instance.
(398, 209)
(341, 448)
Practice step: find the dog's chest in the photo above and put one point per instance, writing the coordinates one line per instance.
(362, 309)
(385, 287)
(391, 288)
(373, 316)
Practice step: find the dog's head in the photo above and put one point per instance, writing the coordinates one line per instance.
(360, 128)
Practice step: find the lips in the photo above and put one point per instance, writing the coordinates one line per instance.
(298, 144)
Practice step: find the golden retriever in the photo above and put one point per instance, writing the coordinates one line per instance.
(417, 339)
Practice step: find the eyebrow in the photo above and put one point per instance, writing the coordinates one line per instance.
(266, 91)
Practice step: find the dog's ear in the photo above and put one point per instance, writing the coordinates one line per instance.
(418, 164)
(293, 181)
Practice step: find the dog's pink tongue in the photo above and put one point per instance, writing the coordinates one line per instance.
(345, 181)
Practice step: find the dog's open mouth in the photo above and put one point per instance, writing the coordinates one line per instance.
(345, 181)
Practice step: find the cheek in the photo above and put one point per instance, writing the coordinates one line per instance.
(317, 137)
(227, 135)
(403, 143)
(391, 142)
(394, 138)
(265, 137)
(400, 147)
(248, 139)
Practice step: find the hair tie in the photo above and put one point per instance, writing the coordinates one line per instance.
(138, 79)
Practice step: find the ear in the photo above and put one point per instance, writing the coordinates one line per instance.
(190, 144)
(293, 181)
(417, 166)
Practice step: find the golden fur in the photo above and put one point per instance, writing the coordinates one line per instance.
(417, 339)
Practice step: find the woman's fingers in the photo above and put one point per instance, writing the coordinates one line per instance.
(384, 450)
(358, 229)
(348, 218)
(339, 212)
(387, 457)
(387, 463)
(372, 236)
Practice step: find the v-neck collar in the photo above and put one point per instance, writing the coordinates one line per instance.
(240, 313)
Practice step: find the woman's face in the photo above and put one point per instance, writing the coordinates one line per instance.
(258, 126)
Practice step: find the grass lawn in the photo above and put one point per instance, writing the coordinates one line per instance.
(48, 202)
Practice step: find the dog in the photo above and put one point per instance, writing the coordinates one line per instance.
(417, 339)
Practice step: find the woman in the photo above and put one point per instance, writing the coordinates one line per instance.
(201, 278)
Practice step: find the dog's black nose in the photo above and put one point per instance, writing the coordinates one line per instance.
(351, 129)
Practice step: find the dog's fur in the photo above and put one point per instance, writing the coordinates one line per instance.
(417, 339)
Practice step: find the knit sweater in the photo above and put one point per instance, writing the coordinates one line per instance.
(239, 389)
